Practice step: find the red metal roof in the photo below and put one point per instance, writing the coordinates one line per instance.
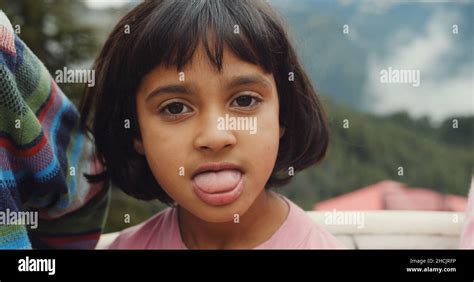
(392, 195)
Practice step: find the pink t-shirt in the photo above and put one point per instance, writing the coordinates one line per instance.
(162, 231)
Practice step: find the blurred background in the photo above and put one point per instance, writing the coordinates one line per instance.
(393, 146)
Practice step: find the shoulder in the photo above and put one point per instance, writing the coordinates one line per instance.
(143, 235)
(305, 233)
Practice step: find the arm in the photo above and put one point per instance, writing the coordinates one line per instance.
(44, 153)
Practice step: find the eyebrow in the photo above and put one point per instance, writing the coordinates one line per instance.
(248, 79)
(173, 88)
(232, 83)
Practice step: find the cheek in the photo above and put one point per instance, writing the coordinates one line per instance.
(164, 152)
(262, 147)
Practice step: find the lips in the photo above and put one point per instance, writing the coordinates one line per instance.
(218, 183)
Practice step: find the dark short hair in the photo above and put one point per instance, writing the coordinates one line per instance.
(167, 32)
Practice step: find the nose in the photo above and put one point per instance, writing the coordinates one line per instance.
(211, 137)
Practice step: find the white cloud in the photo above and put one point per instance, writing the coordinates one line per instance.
(377, 7)
(443, 91)
(103, 4)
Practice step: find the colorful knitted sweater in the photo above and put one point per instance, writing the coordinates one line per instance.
(43, 156)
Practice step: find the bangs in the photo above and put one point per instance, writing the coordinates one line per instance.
(173, 30)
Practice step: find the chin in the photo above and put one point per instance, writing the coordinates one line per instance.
(223, 214)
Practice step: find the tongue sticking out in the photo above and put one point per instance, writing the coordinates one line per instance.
(217, 181)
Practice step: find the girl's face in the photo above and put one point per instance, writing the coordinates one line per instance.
(210, 138)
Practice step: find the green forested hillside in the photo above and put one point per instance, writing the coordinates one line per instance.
(373, 148)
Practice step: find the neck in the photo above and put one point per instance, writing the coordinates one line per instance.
(258, 224)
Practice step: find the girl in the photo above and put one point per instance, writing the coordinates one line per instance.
(168, 75)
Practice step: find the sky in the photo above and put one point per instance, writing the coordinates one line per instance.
(101, 4)
(390, 34)
(444, 90)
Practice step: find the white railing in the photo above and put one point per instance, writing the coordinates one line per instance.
(398, 229)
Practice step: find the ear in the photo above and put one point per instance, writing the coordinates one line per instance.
(282, 131)
(138, 146)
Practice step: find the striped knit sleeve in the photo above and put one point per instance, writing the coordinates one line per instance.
(43, 156)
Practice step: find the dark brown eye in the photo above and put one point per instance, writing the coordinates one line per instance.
(175, 108)
(244, 100)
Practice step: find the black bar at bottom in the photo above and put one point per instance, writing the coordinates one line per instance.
(377, 265)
